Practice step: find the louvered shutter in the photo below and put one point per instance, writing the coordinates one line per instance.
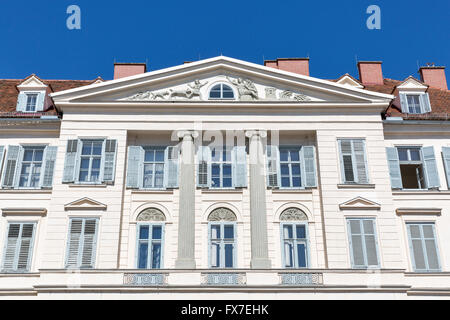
(89, 243)
(18, 249)
(430, 167)
(49, 167)
(109, 160)
(394, 168)
(346, 159)
(204, 167)
(11, 165)
(359, 153)
(2, 152)
(74, 242)
(446, 158)
(404, 102)
(425, 103)
(308, 156)
(24, 253)
(135, 164)
(12, 242)
(239, 167)
(171, 158)
(40, 101)
(273, 178)
(71, 160)
(21, 102)
(370, 242)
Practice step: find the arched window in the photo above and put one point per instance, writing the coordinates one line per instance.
(222, 238)
(150, 238)
(221, 91)
(294, 234)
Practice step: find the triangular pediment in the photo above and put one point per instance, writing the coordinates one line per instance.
(348, 80)
(32, 82)
(85, 204)
(193, 81)
(412, 83)
(359, 203)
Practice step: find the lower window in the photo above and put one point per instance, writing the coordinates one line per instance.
(423, 247)
(363, 243)
(19, 247)
(222, 245)
(150, 239)
(295, 245)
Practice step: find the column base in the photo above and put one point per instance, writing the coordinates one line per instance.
(260, 263)
(185, 264)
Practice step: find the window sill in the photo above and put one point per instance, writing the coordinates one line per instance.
(420, 191)
(221, 190)
(149, 191)
(87, 185)
(356, 186)
(21, 190)
(290, 190)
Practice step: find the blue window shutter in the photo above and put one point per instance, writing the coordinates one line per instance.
(19, 246)
(11, 165)
(89, 243)
(70, 162)
(204, 167)
(239, 167)
(308, 156)
(171, 158)
(82, 243)
(432, 174)
(21, 102)
(273, 176)
(359, 154)
(40, 101)
(135, 167)
(74, 242)
(109, 160)
(425, 103)
(48, 167)
(404, 102)
(446, 158)
(394, 168)
(2, 152)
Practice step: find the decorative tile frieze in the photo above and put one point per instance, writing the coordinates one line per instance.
(301, 279)
(145, 279)
(223, 279)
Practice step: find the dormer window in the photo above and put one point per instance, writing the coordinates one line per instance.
(221, 91)
(415, 103)
(31, 102)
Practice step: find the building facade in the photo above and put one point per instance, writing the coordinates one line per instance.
(227, 177)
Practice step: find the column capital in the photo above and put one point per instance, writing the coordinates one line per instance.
(252, 133)
(187, 134)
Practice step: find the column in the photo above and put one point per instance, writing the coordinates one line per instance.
(186, 212)
(258, 212)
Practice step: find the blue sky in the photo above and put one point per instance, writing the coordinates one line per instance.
(333, 34)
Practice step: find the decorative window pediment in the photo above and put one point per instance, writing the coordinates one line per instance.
(222, 214)
(348, 80)
(359, 203)
(32, 93)
(293, 214)
(413, 96)
(151, 214)
(85, 204)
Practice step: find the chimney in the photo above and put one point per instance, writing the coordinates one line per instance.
(434, 76)
(296, 65)
(370, 72)
(122, 70)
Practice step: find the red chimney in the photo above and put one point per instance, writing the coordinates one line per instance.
(370, 72)
(296, 65)
(434, 76)
(122, 70)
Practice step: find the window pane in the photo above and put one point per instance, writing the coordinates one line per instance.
(87, 148)
(428, 231)
(84, 163)
(301, 232)
(296, 182)
(415, 154)
(228, 232)
(402, 154)
(143, 232)
(295, 169)
(215, 232)
(284, 169)
(419, 259)
(371, 250)
(358, 253)
(301, 254)
(414, 231)
(227, 170)
(284, 155)
(226, 182)
(143, 253)
(295, 155)
(215, 255)
(214, 94)
(159, 156)
(97, 148)
(285, 182)
(149, 155)
(157, 232)
(28, 155)
(95, 163)
(288, 254)
(228, 255)
(215, 169)
(368, 227)
(355, 227)
(83, 175)
(348, 168)
(156, 258)
(287, 232)
(228, 94)
(430, 246)
(95, 176)
(38, 155)
(215, 182)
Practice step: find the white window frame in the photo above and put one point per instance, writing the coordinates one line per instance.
(222, 242)
(294, 242)
(419, 105)
(36, 96)
(422, 238)
(91, 157)
(414, 162)
(16, 255)
(222, 84)
(150, 242)
(363, 243)
(32, 166)
(221, 162)
(153, 163)
(356, 178)
(289, 162)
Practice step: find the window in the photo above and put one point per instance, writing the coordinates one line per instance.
(290, 167)
(295, 245)
(221, 91)
(415, 103)
(363, 242)
(154, 168)
(413, 167)
(221, 168)
(222, 238)
(353, 160)
(30, 172)
(19, 247)
(423, 247)
(91, 157)
(150, 246)
(81, 246)
(31, 102)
